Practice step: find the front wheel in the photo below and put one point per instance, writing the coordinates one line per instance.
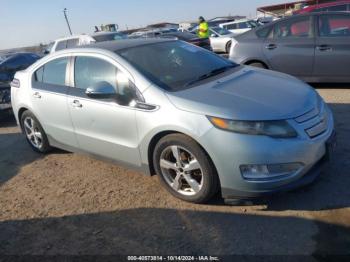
(185, 169)
(34, 132)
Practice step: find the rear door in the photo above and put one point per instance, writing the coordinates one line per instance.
(49, 99)
(333, 46)
(291, 49)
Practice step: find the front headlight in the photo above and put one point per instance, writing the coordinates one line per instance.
(275, 128)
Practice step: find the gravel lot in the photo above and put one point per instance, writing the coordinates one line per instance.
(65, 203)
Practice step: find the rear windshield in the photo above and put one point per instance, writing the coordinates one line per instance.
(174, 65)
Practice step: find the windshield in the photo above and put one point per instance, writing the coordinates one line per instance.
(175, 65)
(220, 31)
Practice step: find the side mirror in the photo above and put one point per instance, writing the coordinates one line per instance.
(101, 90)
(213, 35)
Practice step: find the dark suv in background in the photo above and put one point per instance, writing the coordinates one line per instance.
(9, 65)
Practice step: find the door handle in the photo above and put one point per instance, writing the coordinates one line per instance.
(37, 95)
(271, 46)
(324, 48)
(76, 103)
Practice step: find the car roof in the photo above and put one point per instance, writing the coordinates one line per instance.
(124, 43)
(330, 4)
(300, 15)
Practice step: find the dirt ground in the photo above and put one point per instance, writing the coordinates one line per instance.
(68, 204)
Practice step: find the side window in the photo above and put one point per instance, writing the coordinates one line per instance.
(90, 71)
(293, 28)
(337, 8)
(38, 75)
(264, 32)
(54, 72)
(72, 43)
(61, 45)
(242, 25)
(334, 26)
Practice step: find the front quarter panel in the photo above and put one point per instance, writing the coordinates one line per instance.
(167, 118)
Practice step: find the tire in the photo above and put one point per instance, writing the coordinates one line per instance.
(228, 47)
(35, 134)
(258, 65)
(193, 178)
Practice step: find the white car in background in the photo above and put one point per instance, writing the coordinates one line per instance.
(220, 39)
(239, 26)
(79, 40)
(68, 42)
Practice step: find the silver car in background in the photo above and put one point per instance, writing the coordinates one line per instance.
(313, 47)
(200, 122)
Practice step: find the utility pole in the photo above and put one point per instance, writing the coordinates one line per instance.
(65, 16)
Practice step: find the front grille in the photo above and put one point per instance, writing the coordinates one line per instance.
(315, 122)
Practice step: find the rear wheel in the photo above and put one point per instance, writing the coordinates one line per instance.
(184, 169)
(258, 64)
(34, 132)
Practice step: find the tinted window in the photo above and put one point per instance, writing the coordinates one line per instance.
(334, 26)
(54, 72)
(174, 65)
(90, 71)
(61, 45)
(109, 37)
(264, 32)
(242, 25)
(293, 28)
(72, 43)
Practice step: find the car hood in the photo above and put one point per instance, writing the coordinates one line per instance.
(248, 94)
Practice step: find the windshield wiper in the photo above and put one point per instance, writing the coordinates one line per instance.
(212, 73)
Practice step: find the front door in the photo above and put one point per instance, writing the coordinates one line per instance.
(291, 49)
(333, 46)
(104, 126)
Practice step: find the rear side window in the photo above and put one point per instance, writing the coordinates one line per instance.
(294, 28)
(53, 72)
(334, 26)
(61, 45)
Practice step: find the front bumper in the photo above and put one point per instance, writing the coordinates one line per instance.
(229, 151)
(305, 180)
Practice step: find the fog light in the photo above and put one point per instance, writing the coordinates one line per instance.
(268, 172)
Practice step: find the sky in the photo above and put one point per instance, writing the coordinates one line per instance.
(30, 22)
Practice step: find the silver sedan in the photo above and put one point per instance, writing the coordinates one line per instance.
(200, 122)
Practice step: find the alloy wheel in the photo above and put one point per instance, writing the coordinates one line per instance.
(32, 132)
(181, 170)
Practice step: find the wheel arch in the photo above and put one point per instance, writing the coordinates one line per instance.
(251, 61)
(20, 113)
(157, 137)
